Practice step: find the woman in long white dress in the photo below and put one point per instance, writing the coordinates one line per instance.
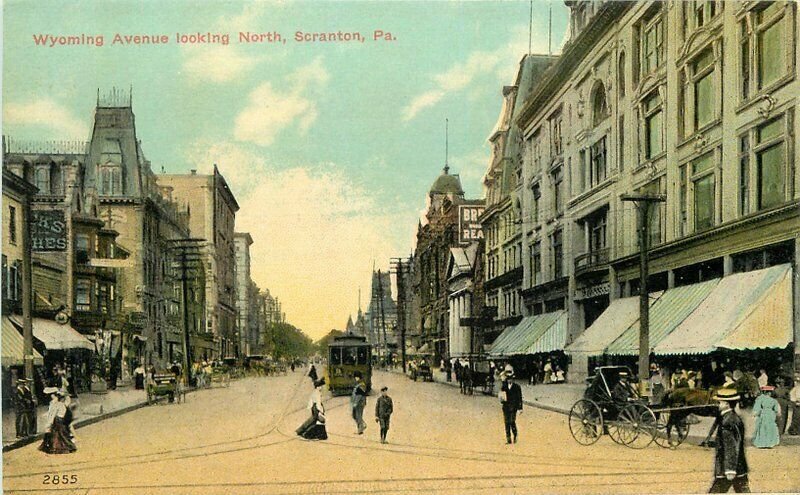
(314, 427)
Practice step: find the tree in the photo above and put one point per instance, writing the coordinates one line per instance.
(289, 342)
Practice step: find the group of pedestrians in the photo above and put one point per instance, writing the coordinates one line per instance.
(314, 427)
(59, 437)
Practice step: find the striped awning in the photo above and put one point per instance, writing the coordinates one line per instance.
(758, 300)
(522, 338)
(669, 311)
(620, 314)
(554, 338)
(13, 346)
(55, 335)
(768, 325)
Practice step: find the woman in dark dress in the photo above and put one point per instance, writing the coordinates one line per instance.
(314, 427)
(57, 438)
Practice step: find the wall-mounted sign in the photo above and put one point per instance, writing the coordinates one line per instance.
(469, 228)
(48, 231)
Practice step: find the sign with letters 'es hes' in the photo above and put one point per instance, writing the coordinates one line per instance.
(469, 228)
(48, 231)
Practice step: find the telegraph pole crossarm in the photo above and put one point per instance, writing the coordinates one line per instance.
(643, 202)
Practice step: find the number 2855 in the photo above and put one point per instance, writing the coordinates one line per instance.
(60, 479)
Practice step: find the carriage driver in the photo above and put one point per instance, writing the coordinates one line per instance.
(623, 391)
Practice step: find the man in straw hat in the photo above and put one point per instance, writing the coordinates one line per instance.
(730, 465)
(511, 401)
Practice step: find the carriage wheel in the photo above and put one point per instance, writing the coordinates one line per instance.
(638, 424)
(677, 434)
(585, 422)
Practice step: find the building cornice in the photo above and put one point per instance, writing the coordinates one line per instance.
(571, 58)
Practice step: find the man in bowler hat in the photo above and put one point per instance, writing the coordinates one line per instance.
(511, 401)
(730, 465)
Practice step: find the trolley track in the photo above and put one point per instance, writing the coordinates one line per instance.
(166, 455)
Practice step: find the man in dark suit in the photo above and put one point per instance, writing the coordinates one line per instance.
(730, 465)
(511, 400)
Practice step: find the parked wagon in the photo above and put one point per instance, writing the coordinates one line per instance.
(165, 385)
(634, 422)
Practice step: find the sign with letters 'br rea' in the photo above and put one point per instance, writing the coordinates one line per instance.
(469, 228)
(48, 231)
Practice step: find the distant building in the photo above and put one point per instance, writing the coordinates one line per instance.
(213, 208)
(432, 254)
(381, 316)
(242, 242)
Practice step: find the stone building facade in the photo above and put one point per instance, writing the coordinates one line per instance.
(696, 101)
(213, 208)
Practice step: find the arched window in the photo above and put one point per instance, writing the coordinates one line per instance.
(599, 105)
(43, 179)
(56, 184)
(110, 180)
(621, 75)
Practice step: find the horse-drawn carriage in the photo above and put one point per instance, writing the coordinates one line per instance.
(630, 421)
(165, 385)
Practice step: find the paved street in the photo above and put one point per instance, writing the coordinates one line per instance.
(241, 440)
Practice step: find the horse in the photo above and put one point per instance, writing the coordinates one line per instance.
(702, 404)
(681, 402)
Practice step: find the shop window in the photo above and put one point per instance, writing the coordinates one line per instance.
(703, 181)
(599, 105)
(557, 247)
(764, 183)
(598, 168)
(557, 178)
(82, 253)
(556, 144)
(766, 38)
(536, 264)
(83, 295)
(653, 111)
(42, 179)
(12, 224)
(652, 44)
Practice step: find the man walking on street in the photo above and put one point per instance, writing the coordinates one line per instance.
(358, 401)
(383, 411)
(511, 400)
(794, 399)
(730, 465)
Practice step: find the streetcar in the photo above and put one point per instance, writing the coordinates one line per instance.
(346, 355)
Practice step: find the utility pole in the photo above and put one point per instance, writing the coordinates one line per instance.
(643, 203)
(27, 293)
(184, 246)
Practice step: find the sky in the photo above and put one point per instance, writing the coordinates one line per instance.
(329, 147)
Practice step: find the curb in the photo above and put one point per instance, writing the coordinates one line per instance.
(89, 421)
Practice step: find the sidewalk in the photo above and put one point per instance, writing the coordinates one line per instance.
(90, 408)
(560, 398)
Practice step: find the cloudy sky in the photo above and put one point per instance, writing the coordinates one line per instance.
(330, 148)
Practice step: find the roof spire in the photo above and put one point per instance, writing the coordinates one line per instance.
(446, 146)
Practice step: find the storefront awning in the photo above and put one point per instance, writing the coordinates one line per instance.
(669, 311)
(13, 346)
(759, 299)
(56, 336)
(522, 338)
(769, 324)
(554, 337)
(620, 314)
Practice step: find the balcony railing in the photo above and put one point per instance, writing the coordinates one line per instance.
(592, 259)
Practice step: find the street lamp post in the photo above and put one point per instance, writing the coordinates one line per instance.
(643, 203)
